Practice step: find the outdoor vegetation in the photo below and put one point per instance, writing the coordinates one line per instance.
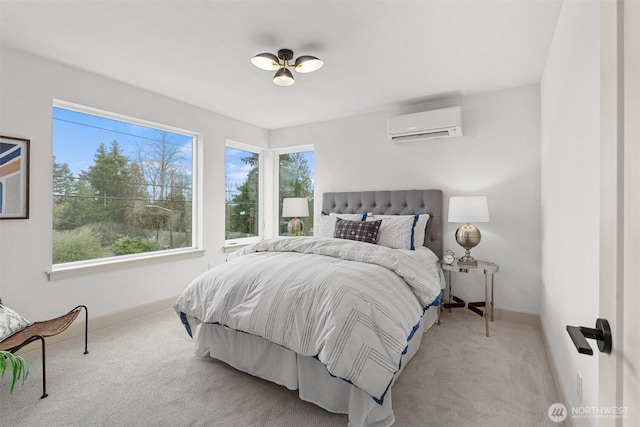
(295, 178)
(242, 199)
(122, 204)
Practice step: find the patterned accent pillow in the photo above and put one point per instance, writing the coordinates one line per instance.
(362, 231)
(327, 224)
(11, 322)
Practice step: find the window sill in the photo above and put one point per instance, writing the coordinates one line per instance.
(232, 247)
(235, 244)
(114, 264)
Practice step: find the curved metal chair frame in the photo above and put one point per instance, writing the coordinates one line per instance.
(41, 330)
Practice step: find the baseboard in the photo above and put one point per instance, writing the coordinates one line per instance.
(509, 316)
(517, 317)
(562, 395)
(106, 321)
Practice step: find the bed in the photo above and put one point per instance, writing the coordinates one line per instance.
(335, 319)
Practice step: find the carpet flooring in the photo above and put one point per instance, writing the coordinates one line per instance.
(144, 373)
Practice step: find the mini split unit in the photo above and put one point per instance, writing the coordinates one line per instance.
(426, 125)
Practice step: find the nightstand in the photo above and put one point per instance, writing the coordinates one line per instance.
(483, 267)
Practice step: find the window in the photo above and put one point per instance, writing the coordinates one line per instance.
(121, 186)
(243, 189)
(295, 179)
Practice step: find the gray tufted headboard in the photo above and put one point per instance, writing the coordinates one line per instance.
(397, 202)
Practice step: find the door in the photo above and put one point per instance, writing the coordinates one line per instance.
(619, 372)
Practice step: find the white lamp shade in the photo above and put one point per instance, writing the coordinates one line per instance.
(266, 61)
(295, 207)
(283, 77)
(468, 209)
(308, 64)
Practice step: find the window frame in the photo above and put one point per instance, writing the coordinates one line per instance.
(77, 268)
(243, 241)
(276, 181)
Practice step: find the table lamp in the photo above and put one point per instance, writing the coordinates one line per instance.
(468, 209)
(295, 207)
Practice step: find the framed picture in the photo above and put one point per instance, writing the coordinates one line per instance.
(14, 178)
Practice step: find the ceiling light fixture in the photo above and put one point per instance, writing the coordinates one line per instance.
(281, 63)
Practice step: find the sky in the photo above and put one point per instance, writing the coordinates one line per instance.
(236, 170)
(76, 137)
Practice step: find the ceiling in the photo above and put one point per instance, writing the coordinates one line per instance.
(377, 54)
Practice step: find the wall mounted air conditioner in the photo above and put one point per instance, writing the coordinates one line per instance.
(426, 125)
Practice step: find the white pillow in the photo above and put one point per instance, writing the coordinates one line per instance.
(401, 231)
(11, 322)
(419, 230)
(327, 223)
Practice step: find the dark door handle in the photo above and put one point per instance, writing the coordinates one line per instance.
(602, 334)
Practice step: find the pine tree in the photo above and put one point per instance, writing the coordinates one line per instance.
(242, 208)
(63, 181)
(114, 182)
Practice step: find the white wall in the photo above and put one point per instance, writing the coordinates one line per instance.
(28, 85)
(570, 99)
(498, 156)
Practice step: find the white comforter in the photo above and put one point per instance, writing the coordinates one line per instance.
(354, 306)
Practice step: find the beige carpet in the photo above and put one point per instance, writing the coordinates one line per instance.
(144, 374)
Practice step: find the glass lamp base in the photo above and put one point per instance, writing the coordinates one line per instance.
(295, 227)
